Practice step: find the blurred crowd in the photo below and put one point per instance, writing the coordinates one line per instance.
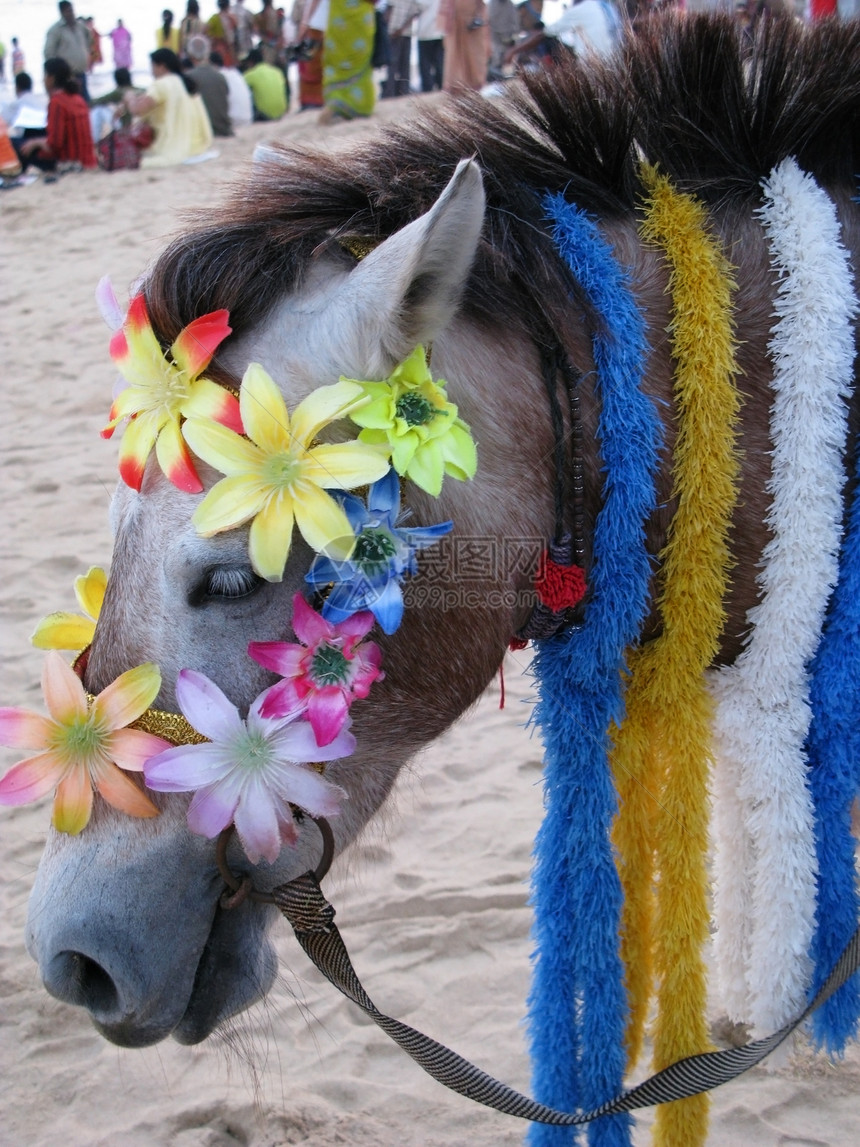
(215, 71)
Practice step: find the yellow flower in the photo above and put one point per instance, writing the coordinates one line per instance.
(411, 414)
(74, 630)
(276, 476)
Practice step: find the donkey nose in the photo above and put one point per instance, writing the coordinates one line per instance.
(76, 979)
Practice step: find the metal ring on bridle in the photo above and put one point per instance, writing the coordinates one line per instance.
(240, 888)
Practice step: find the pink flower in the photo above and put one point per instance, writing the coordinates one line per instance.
(249, 772)
(325, 674)
(82, 747)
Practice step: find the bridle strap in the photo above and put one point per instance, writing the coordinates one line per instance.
(312, 918)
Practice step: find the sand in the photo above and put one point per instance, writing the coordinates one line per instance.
(432, 902)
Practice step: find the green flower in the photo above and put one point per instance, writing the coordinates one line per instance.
(411, 415)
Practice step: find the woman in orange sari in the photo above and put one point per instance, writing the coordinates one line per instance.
(467, 44)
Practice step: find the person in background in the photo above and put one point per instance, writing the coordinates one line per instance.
(268, 86)
(120, 37)
(211, 85)
(504, 22)
(348, 87)
(10, 164)
(112, 107)
(310, 31)
(268, 25)
(381, 53)
(95, 43)
(221, 30)
(19, 64)
(167, 35)
(27, 115)
(431, 46)
(190, 25)
(467, 44)
(244, 34)
(545, 52)
(401, 16)
(586, 27)
(171, 106)
(69, 40)
(240, 105)
(2, 60)
(68, 138)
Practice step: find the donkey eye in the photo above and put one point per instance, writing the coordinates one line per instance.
(225, 583)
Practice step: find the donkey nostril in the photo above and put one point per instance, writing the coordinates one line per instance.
(76, 979)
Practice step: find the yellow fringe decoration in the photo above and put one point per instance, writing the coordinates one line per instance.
(662, 751)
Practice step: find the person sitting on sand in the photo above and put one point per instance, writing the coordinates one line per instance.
(111, 107)
(268, 86)
(587, 27)
(172, 107)
(68, 138)
(240, 105)
(27, 115)
(210, 84)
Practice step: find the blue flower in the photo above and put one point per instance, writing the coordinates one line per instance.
(384, 554)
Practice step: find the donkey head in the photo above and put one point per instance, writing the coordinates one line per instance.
(124, 918)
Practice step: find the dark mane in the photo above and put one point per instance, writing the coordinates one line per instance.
(687, 95)
(717, 121)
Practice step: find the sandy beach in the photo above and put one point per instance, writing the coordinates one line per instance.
(432, 902)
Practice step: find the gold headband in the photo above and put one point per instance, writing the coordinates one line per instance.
(358, 247)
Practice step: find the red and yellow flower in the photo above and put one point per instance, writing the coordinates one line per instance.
(163, 390)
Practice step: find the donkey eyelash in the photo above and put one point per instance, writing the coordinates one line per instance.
(227, 583)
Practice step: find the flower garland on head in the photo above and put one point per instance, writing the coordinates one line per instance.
(278, 475)
(766, 863)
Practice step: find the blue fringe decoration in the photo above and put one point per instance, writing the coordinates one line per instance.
(833, 753)
(577, 1004)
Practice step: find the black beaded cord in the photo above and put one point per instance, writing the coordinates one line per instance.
(567, 547)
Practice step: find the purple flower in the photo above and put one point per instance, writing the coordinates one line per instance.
(249, 772)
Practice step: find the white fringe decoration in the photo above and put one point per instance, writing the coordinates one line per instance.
(765, 856)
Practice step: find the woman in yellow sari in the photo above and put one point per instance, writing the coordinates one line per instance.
(176, 113)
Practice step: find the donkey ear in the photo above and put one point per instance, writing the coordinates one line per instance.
(407, 290)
